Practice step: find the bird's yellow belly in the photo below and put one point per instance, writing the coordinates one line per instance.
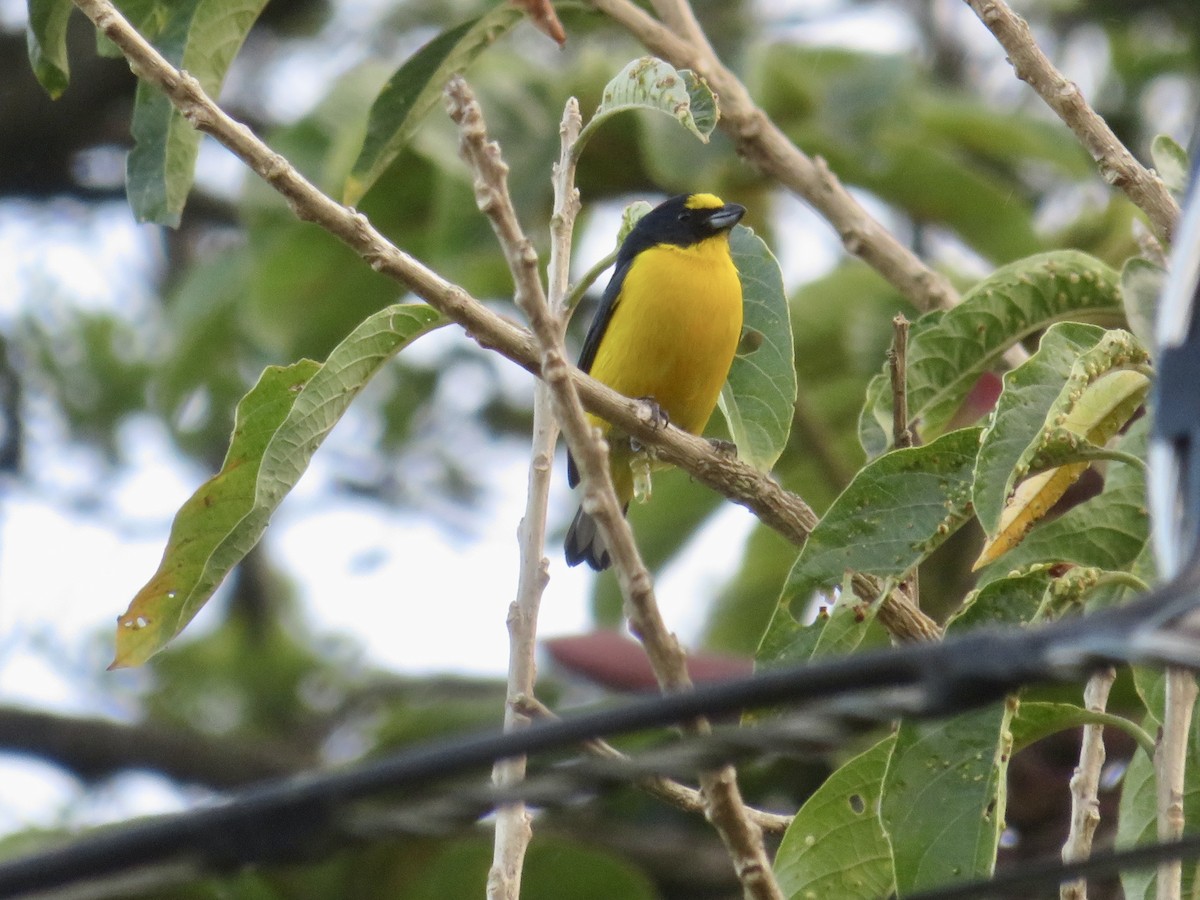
(675, 330)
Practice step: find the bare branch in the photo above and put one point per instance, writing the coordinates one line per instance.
(678, 795)
(1085, 784)
(1117, 165)
(762, 143)
(1170, 762)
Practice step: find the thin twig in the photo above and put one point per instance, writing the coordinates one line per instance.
(1116, 163)
(902, 435)
(723, 802)
(678, 795)
(765, 146)
(1170, 761)
(1085, 784)
(897, 358)
(513, 825)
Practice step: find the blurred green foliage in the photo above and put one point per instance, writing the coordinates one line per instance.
(971, 175)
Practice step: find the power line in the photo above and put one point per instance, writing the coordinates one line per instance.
(829, 700)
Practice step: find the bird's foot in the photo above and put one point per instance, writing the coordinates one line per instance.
(651, 414)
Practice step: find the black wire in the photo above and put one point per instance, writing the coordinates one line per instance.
(1051, 873)
(281, 819)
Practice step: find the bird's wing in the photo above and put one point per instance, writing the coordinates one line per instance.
(595, 335)
(599, 326)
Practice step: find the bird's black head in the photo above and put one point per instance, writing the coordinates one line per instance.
(683, 220)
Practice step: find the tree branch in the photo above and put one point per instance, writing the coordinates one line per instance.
(766, 147)
(1085, 784)
(1117, 165)
(94, 749)
(1170, 763)
(678, 795)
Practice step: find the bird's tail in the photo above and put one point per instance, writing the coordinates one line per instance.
(585, 543)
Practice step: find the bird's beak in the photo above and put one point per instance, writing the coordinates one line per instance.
(726, 217)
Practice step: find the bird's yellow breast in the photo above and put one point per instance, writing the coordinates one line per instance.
(674, 329)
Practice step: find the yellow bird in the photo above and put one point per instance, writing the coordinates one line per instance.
(666, 330)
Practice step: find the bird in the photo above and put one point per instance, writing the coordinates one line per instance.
(666, 331)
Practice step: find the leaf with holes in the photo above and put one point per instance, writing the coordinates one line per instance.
(836, 846)
(949, 350)
(649, 83)
(759, 398)
(957, 767)
(898, 509)
(1102, 389)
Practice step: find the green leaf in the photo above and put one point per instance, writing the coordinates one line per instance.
(278, 427)
(1011, 600)
(649, 83)
(759, 398)
(1141, 285)
(1076, 392)
(836, 846)
(46, 38)
(1171, 161)
(1036, 720)
(201, 37)
(837, 630)
(414, 89)
(944, 798)
(948, 351)
(898, 509)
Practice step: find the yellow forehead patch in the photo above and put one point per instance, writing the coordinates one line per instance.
(704, 201)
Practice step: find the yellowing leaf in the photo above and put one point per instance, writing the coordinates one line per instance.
(1099, 411)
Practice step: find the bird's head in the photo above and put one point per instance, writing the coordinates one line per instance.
(685, 220)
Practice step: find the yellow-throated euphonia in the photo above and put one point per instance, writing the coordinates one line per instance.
(666, 330)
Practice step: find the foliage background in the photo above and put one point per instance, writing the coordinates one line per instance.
(124, 351)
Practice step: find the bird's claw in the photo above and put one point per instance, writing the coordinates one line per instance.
(652, 414)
